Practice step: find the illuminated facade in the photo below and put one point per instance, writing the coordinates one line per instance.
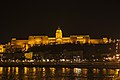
(58, 36)
(58, 39)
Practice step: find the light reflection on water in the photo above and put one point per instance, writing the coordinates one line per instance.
(37, 73)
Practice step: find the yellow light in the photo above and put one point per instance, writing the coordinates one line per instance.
(43, 71)
(16, 70)
(117, 55)
(25, 70)
(52, 71)
(1, 70)
(9, 70)
(63, 70)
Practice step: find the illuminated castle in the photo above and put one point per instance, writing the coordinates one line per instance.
(58, 39)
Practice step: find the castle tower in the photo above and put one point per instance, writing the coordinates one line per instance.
(59, 35)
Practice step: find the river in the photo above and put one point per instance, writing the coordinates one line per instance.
(51, 73)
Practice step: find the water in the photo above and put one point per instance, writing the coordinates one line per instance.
(37, 73)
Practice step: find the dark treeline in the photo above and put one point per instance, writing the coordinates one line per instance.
(86, 48)
(68, 51)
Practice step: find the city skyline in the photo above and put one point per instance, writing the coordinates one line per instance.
(95, 18)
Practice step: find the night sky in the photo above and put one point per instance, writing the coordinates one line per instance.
(98, 18)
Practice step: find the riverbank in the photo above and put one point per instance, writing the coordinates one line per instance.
(111, 65)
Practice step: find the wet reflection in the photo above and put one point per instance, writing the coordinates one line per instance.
(37, 73)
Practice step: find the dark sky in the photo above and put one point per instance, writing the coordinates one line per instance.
(98, 18)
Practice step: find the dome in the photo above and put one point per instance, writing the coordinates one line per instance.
(58, 33)
(58, 30)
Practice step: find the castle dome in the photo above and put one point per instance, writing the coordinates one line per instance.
(58, 30)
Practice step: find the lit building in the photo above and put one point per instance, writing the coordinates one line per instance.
(38, 40)
(58, 39)
(58, 36)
